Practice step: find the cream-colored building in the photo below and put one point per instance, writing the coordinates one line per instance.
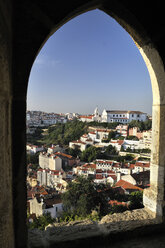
(89, 118)
(78, 144)
(33, 148)
(40, 206)
(50, 161)
(122, 116)
(54, 149)
(32, 181)
(147, 139)
(48, 177)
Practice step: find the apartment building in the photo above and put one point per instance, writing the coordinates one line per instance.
(49, 178)
(50, 161)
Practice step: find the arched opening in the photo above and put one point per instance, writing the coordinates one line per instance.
(156, 96)
(25, 26)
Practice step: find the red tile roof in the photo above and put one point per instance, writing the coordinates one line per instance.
(115, 202)
(92, 132)
(102, 130)
(63, 155)
(92, 166)
(120, 142)
(113, 177)
(86, 116)
(125, 185)
(142, 164)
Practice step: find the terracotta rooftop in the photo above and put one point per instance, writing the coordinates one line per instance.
(125, 185)
(63, 155)
(115, 202)
(86, 116)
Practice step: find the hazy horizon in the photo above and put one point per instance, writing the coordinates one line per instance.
(100, 111)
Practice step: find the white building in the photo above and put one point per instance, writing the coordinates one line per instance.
(141, 166)
(132, 144)
(147, 139)
(54, 149)
(122, 130)
(86, 170)
(104, 164)
(137, 144)
(78, 144)
(50, 161)
(89, 118)
(49, 121)
(97, 116)
(40, 206)
(122, 116)
(33, 148)
(49, 178)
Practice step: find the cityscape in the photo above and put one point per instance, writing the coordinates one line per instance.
(82, 124)
(108, 151)
(87, 164)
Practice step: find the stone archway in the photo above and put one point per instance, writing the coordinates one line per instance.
(153, 197)
(24, 28)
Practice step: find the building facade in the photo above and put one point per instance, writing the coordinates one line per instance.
(122, 116)
(40, 206)
(50, 161)
(49, 178)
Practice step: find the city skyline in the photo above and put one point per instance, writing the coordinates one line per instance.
(100, 112)
(90, 61)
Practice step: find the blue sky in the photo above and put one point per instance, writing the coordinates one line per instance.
(90, 61)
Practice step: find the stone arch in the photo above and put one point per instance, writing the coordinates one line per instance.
(157, 75)
(24, 27)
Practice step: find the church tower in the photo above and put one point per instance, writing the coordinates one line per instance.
(96, 112)
(96, 115)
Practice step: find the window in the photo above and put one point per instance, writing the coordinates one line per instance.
(111, 121)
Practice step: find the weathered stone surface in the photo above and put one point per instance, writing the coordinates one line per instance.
(60, 232)
(6, 200)
(20, 41)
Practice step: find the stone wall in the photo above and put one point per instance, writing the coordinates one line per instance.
(24, 28)
(59, 233)
(6, 202)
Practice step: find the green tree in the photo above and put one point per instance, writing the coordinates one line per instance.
(111, 150)
(90, 154)
(74, 152)
(111, 135)
(83, 196)
(146, 125)
(64, 133)
(41, 222)
(132, 137)
(121, 138)
(117, 208)
(128, 157)
(36, 137)
(32, 159)
(122, 149)
(136, 200)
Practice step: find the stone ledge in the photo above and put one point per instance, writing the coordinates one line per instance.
(76, 230)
